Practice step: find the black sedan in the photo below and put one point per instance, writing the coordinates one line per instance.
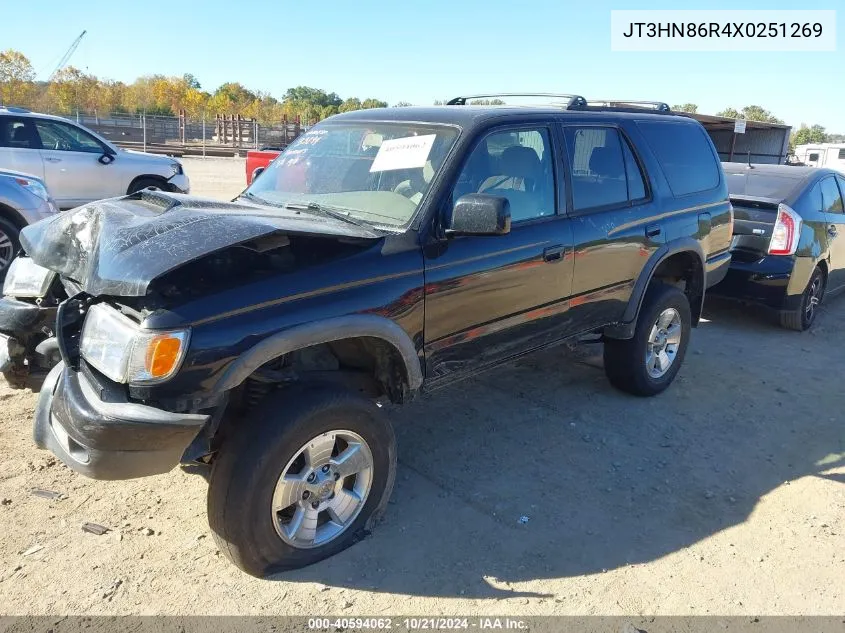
(788, 248)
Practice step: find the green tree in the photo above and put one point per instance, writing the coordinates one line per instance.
(312, 96)
(353, 103)
(686, 107)
(750, 113)
(16, 78)
(805, 135)
(191, 81)
(373, 103)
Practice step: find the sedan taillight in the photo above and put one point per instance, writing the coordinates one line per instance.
(786, 233)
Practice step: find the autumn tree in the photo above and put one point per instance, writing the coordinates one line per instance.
(16, 78)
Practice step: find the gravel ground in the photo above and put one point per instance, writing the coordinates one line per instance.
(724, 495)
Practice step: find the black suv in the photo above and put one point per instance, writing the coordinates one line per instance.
(384, 252)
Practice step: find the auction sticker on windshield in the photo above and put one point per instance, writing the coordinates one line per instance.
(403, 153)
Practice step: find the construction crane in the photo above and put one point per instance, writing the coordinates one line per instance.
(64, 60)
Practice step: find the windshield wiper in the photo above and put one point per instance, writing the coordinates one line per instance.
(332, 212)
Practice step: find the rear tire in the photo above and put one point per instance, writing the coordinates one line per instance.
(803, 317)
(147, 183)
(260, 456)
(9, 245)
(626, 361)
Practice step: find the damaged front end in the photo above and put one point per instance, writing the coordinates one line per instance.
(133, 277)
(28, 345)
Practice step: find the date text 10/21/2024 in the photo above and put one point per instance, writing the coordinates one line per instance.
(417, 624)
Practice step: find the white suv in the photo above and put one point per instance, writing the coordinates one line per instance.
(78, 165)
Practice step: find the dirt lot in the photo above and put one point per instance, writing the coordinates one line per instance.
(724, 495)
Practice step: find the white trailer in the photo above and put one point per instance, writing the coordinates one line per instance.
(830, 155)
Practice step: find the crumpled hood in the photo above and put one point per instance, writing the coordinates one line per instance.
(118, 246)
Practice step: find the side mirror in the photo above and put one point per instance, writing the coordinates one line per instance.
(257, 172)
(480, 214)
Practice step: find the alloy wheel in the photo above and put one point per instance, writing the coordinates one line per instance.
(322, 489)
(663, 343)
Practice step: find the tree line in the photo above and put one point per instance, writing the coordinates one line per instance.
(804, 135)
(72, 90)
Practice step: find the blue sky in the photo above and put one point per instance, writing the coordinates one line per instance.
(421, 51)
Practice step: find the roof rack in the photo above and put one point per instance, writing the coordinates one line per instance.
(14, 109)
(657, 106)
(571, 100)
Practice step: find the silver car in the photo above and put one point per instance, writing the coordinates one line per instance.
(78, 165)
(24, 199)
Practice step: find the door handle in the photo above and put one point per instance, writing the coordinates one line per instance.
(50, 159)
(554, 253)
(652, 230)
(831, 231)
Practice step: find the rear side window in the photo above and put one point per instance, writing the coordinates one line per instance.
(831, 198)
(17, 133)
(684, 153)
(603, 168)
(842, 154)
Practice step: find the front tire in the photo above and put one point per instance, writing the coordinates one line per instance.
(9, 245)
(647, 364)
(147, 183)
(306, 478)
(803, 317)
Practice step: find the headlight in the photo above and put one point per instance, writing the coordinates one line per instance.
(115, 345)
(34, 186)
(25, 278)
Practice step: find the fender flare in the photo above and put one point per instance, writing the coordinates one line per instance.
(325, 331)
(625, 329)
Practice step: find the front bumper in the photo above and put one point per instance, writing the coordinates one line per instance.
(97, 432)
(180, 183)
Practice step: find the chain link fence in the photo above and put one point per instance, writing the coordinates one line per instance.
(216, 135)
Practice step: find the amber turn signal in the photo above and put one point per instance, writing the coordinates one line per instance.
(163, 353)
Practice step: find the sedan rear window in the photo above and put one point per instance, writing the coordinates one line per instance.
(753, 185)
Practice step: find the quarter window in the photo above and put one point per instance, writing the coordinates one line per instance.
(65, 137)
(685, 154)
(517, 165)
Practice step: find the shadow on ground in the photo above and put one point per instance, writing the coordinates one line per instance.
(603, 479)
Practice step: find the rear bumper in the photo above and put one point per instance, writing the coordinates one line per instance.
(97, 432)
(765, 282)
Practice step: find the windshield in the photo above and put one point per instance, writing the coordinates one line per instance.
(374, 172)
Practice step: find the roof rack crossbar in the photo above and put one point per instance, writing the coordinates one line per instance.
(571, 100)
(659, 106)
